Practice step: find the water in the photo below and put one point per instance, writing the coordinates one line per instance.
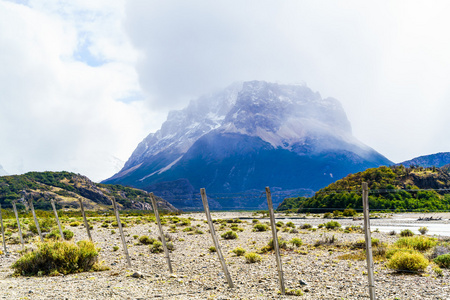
(433, 228)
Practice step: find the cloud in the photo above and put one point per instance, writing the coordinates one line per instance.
(82, 82)
(387, 62)
(57, 111)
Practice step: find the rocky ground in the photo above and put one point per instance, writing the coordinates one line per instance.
(316, 271)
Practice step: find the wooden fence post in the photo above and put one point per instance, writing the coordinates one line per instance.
(3, 231)
(161, 232)
(119, 224)
(86, 224)
(57, 218)
(275, 241)
(18, 224)
(214, 237)
(30, 201)
(368, 238)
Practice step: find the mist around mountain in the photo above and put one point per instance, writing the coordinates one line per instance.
(243, 138)
(433, 160)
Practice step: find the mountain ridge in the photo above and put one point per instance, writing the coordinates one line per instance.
(67, 188)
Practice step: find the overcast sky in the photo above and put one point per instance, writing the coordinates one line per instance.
(83, 82)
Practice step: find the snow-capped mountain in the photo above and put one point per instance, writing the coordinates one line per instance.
(248, 136)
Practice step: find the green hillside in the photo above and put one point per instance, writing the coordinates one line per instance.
(390, 188)
(66, 188)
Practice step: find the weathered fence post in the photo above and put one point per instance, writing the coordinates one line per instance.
(57, 218)
(18, 224)
(161, 233)
(119, 224)
(214, 237)
(368, 238)
(3, 230)
(30, 201)
(275, 241)
(86, 224)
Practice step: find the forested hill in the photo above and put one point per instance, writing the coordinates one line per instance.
(390, 188)
(66, 188)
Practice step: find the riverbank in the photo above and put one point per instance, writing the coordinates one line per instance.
(316, 271)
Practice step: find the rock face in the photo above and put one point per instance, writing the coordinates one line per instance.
(248, 136)
(433, 160)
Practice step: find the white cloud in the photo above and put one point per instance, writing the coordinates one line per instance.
(83, 80)
(57, 113)
(387, 62)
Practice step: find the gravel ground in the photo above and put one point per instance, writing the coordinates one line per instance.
(198, 274)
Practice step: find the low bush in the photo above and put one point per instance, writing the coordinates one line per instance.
(74, 223)
(332, 225)
(68, 235)
(252, 257)
(404, 261)
(423, 230)
(439, 250)
(297, 242)
(349, 212)
(212, 249)
(260, 227)
(156, 247)
(239, 251)
(146, 240)
(290, 224)
(443, 261)
(306, 226)
(230, 235)
(419, 243)
(58, 257)
(406, 232)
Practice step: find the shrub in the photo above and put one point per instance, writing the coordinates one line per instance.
(423, 230)
(104, 225)
(327, 215)
(187, 229)
(297, 242)
(54, 234)
(306, 226)
(230, 235)
(443, 261)
(145, 240)
(74, 223)
(252, 257)
(404, 261)
(57, 257)
(290, 224)
(439, 250)
(212, 249)
(406, 232)
(156, 247)
(260, 227)
(170, 246)
(332, 225)
(239, 251)
(325, 241)
(419, 243)
(349, 212)
(282, 244)
(68, 235)
(115, 248)
(293, 292)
